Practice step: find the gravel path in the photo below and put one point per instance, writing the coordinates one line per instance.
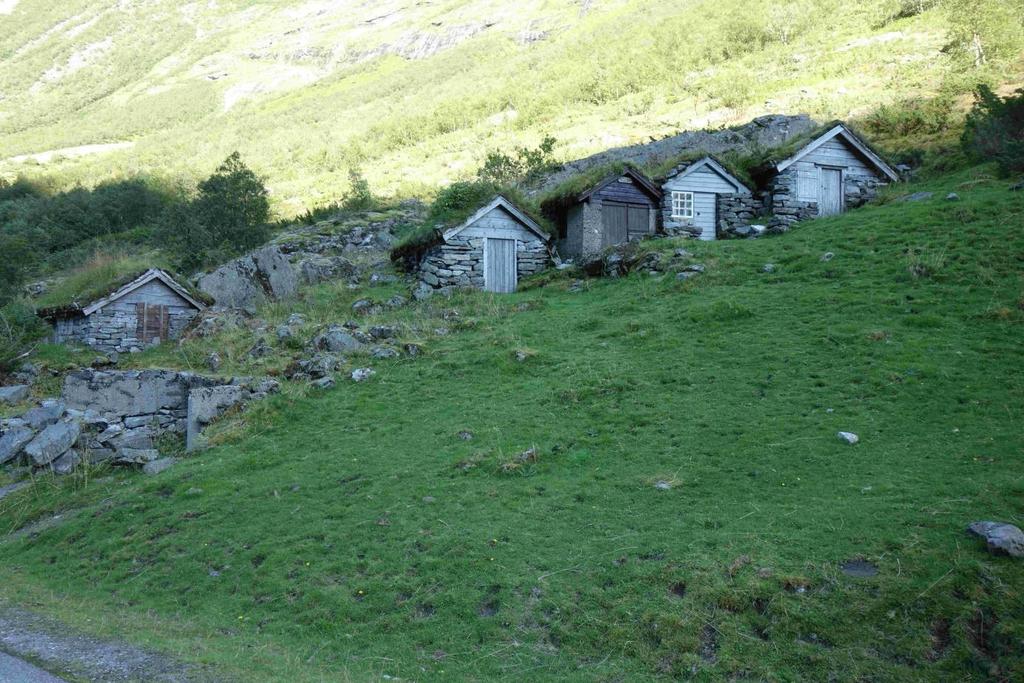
(57, 647)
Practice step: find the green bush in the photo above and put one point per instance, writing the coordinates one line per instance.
(995, 130)
(17, 262)
(522, 165)
(20, 329)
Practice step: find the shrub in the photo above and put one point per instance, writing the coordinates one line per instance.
(995, 130)
(20, 329)
(18, 259)
(359, 197)
(523, 165)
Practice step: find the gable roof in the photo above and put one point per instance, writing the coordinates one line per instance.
(500, 202)
(145, 278)
(841, 131)
(715, 165)
(643, 181)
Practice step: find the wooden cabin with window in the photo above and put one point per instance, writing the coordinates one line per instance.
(149, 309)
(702, 196)
(621, 208)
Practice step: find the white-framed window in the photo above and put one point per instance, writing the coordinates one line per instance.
(682, 205)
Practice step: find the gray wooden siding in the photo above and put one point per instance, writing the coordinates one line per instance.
(624, 191)
(704, 179)
(500, 265)
(705, 214)
(498, 223)
(835, 153)
(155, 293)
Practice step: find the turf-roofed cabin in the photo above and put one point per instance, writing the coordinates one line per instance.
(702, 197)
(149, 309)
(492, 250)
(836, 171)
(621, 208)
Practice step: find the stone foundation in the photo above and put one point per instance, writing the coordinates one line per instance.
(460, 262)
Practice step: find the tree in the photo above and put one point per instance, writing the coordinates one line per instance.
(985, 31)
(19, 258)
(228, 216)
(994, 130)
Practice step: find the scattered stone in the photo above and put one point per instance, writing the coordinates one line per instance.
(158, 466)
(364, 307)
(521, 356)
(861, 569)
(363, 374)
(66, 463)
(52, 442)
(412, 350)
(13, 441)
(295, 320)
(999, 537)
(284, 333)
(335, 339)
(323, 383)
(397, 301)
(662, 485)
(918, 197)
(14, 394)
(695, 268)
(682, 253)
(768, 268)
(382, 278)
(261, 349)
(213, 362)
(383, 352)
(827, 256)
(466, 435)
(685, 275)
(135, 456)
(194, 491)
(848, 437)
(952, 197)
(383, 332)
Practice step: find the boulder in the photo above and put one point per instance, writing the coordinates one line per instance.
(66, 463)
(412, 350)
(848, 437)
(323, 383)
(284, 333)
(205, 405)
(44, 415)
(52, 442)
(383, 332)
(336, 339)
(13, 441)
(999, 537)
(247, 282)
(261, 349)
(213, 362)
(315, 269)
(14, 394)
(952, 197)
(135, 456)
(383, 352)
(157, 466)
(768, 268)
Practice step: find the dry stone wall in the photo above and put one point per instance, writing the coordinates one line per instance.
(460, 262)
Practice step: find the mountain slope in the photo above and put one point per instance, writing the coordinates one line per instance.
(415, 94)
(688, 509)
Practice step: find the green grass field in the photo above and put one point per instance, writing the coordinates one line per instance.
(353, 534)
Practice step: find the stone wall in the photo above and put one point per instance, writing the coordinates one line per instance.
(112, 329)
(737, 211)
(784, 204)
(460, 262)
(117, 416)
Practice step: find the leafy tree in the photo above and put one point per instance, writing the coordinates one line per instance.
(359, 197)
(985, 31)
(227, 217)
(19, 258)
(20, 328)
(995, 130)
(523, 165)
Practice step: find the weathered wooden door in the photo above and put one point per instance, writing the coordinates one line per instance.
(639, 221)
(500, 265)
(615, 219)
(830, 191)
(152, 322)
(705, 213)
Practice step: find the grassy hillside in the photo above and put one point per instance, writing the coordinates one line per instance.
(354, 534)
(416, 95)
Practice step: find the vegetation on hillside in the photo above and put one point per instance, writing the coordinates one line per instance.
(995, 130)
(687, 509)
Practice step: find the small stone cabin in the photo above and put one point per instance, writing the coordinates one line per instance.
(148, 310)
(621, 208)
(492, 250)
(834, 172)
(702, 198)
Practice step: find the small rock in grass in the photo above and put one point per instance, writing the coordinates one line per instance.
(952, 197)
(662, 485)
(213, 362)
(383, 352)
(918, 197)
(848, 437)
(323, 383)
(66, 463)
(158, 466)
(827, 256)
(1000, 538)
(768, 268)
(695, 268)
(260, 349)
(383, 332)
(521, 356)
(397, 301)
(466, 435)
(284, 333)
(861, 569)
(412, 350)
(682, 253)
(685, 275)
(363, 374)
(295, 320)
(194, 491)
(428, 499)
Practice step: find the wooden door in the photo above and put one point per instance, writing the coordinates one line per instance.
(615, 219)
(705, 213)
(639, 218)
(500, 265)
(152, 322)
(830, 191)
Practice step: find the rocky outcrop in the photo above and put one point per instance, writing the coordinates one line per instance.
(13, 394)
(205, 405)
(249, 281)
